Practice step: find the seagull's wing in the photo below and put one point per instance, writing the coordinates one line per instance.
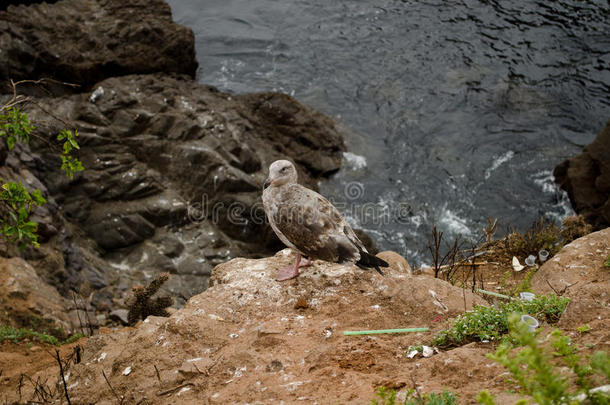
(314, 226)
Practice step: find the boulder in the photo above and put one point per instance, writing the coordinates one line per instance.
(252, 338)
(586, 178)
(174, 169)
(85, 41)
(396, 261)
(579, 273)
(26, 301)
(173, 179)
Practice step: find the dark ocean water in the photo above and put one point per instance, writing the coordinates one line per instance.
(454, 111)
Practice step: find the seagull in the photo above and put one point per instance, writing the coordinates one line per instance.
(309, 224)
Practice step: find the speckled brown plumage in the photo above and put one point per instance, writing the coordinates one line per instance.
(308, 223)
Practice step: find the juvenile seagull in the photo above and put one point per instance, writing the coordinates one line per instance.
(309, 224)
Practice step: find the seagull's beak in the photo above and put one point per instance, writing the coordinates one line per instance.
(267, 183)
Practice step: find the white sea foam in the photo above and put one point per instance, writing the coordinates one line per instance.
(451, 222)
(498, 161)
(546, 181)
(353, 162)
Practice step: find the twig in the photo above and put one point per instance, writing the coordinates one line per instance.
(552, 288)
(376, 332)
(85, 310)
(20, 385)
(169, 391)
(45, 79)
(207, 372)
(77, 350)
(80, 322)
(66, 123)
(63, 378)
(120, 399)
(464, 263)
(157, 371)
(474, 269)
(495, 294)
(419, 398)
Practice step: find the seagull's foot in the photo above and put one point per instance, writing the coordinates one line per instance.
(288, 272)
(305, 262)
(292, 271)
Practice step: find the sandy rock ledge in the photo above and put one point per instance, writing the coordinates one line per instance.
(251, 339)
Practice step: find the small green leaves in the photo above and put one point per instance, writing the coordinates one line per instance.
(490, 323)
(69, 164)
(15, 125)
(545, 371)
(16, 226)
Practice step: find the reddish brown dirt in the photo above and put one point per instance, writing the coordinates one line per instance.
(29, 364)
(249, 339)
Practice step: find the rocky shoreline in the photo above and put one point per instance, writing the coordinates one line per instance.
(173, 168)
(172, 184)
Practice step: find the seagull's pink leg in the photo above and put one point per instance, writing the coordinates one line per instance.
(292, 271)
(306, 262)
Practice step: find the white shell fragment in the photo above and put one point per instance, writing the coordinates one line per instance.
(516, 265)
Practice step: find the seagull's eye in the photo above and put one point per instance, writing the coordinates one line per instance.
(284, 170)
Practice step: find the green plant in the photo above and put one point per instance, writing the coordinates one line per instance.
(533, 367)
(19, 203)
(69, 164)
(388, 397)
(490, 323)
(15, 222)
(15, 125)
(526, 283)
(574, 227)
(17, 335)
(583, 328)
(607, 262)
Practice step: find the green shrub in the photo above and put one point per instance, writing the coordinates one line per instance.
(490, 323)
(388, 397)
(574, 227)
(69, 164)
(15, 125)
(533, 367)
(17, 335)
(15, 222)
(16, 225)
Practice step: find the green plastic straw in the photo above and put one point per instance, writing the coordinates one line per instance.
(376, 332)
(495, 294)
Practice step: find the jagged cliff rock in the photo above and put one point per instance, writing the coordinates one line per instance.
(586, 178)
(85, 41)
(173, 178)
(27, 301)
(578, 272)
(173, 168)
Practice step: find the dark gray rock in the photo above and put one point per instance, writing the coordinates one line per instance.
(586, 178)
(120, 315)
(174, 169)
(173, 178)
(85, 41)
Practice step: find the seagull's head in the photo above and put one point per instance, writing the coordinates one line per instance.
(281, 172)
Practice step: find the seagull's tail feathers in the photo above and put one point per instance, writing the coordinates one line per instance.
(367, 261)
